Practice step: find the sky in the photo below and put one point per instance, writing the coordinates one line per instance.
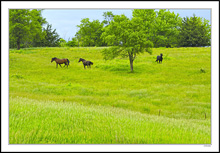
(65, 21)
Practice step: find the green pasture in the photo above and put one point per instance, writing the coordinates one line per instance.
(168, 103)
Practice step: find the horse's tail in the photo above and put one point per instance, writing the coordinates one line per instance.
(68, 61)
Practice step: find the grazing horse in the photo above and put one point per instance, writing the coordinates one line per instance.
(60, 61)
(86, 63)
(159, 58)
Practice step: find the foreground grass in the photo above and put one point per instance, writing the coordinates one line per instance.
(180, 88)
(48, 122)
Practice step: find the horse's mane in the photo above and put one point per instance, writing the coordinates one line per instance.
(82, 59)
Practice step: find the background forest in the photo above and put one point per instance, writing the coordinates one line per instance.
(27, 28)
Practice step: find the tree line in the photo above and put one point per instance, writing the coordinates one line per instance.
(161, 29)
(27, 28)
(146, 29)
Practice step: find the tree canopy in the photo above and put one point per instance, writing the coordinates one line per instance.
(51, 38)
(108, 17)
(166, 29)
(24, 26)
(26, 29)
(128, 38)
(89, 33)
(194, 32)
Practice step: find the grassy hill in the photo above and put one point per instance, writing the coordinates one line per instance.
(107, 103)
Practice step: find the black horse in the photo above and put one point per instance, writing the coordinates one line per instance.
(159, 58)
(60, 61)
(86, 63)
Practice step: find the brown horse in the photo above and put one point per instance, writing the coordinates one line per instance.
(60, 61)
(86, 63)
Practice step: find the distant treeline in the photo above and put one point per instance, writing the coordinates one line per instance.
(27, 28)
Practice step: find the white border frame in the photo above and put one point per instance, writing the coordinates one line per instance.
(110, 5)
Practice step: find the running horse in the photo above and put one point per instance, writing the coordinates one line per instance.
(60, 61)
(86, 63)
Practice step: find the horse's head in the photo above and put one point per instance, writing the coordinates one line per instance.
(161, 54)
(53, 59)
(81, 59)
(91, 63)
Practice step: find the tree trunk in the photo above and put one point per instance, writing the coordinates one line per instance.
(18, 45)
(131, 62)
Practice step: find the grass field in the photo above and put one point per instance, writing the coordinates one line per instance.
(168, 103)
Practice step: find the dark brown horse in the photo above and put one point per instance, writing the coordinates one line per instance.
(86, 63)
(60, 61)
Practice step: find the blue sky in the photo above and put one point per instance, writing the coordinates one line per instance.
(65, 21)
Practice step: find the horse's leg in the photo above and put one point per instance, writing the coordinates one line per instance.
(84, 66)
(66, 64)
(60, 66)
(57, 65)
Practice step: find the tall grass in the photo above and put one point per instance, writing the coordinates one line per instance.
(177, 87)
(48, 122)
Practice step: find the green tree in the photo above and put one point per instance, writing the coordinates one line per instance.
(24, 25)
(62, 42)
(18, 25)
(148, 16)
(127, 37)
(166, 28)
(51, 37)
(89, 33)
(161, 26)
(36, 26)
(195, 32)
(108, 17)
(72, 43)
